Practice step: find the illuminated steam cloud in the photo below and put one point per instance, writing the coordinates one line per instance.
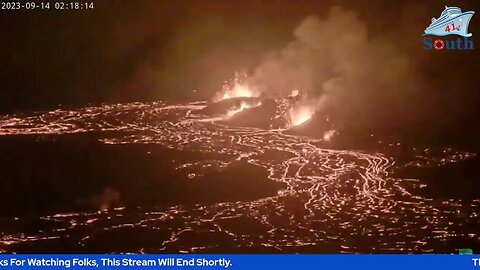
(335, 60)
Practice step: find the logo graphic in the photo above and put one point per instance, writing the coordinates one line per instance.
(465, 251)
(452, 21)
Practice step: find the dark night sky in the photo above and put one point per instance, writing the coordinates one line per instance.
(150, 50)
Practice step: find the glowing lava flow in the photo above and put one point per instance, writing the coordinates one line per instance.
(243, 106)
(336, 199)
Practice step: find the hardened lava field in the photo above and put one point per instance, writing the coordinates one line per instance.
(172, 179)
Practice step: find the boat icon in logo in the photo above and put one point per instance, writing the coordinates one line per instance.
(452, 21)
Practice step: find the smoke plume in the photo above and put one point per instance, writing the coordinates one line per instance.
(334, 61)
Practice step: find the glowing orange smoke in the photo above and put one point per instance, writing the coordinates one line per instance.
(301, 114)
